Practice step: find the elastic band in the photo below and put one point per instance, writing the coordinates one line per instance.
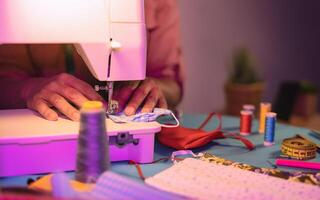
(139, 170)
(132, 162)
(245, 141)
(173, 125)
(208, 118)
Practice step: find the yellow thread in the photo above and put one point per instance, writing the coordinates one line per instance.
(264, 109)
(92, 105)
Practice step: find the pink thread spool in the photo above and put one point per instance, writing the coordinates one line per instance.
(249, 107)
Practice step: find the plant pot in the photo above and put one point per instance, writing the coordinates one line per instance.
(305, 105)
(236, 95)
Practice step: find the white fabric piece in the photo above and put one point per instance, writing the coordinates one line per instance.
(202, 180)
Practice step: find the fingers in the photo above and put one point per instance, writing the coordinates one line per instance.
(138, 97)
(63, 106)
(61, 91)
(162, 102)
(124, 94)
(83, 87)
(64, 89)
(154, 98)
(151, 101)
(46, 98)
(73, 96)
(148, 94)
(43, 108)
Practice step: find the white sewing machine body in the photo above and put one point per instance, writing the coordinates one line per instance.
(110, 36)
(90, 25)
(30, 144)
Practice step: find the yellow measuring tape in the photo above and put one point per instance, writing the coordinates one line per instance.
(299, 148)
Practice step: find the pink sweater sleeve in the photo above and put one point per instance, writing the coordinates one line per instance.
(164, 43)
(15, 70)
(22, 66)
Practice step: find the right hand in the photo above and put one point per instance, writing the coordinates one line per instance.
(62, 92)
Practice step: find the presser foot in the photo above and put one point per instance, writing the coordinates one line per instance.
(113, 105)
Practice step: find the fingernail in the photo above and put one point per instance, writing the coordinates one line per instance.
(53, 116)
(129, 111)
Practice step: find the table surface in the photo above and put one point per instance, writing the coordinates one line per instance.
(227, 148)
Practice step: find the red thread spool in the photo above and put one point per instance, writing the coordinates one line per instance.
(245, 122)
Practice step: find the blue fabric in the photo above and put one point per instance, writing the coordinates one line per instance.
(227, 148)
(139, 116)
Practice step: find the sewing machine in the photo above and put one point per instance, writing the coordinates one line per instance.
(110, 36)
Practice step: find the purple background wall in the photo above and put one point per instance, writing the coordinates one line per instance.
(284, 37)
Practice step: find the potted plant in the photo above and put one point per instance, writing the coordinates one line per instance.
(306, 101)
(243, 85)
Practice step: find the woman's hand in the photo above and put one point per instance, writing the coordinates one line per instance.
(146, 94)
(63, 92)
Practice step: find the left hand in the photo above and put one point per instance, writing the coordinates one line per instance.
(146, 94)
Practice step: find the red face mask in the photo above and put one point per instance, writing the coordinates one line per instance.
(189, 138)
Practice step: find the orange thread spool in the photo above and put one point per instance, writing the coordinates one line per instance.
(264, 109)
(245, 122)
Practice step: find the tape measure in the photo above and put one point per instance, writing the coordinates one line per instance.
(299, 148)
